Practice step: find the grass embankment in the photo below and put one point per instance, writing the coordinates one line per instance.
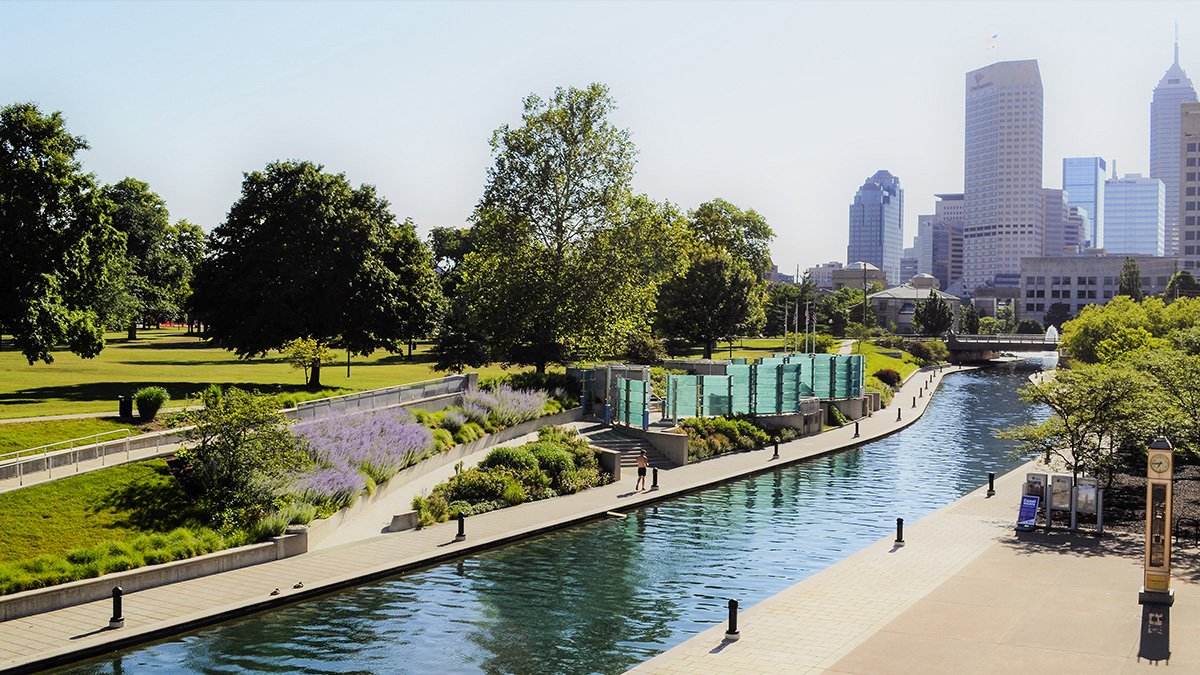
(906, 365)
(95, 523)
(17, 436)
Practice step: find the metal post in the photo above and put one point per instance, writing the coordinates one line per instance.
(732, 634)
(462, 527)
(118, 618)
(1100, 511)
(776, 455)
(1073, 514)
(654, 485)
(856, 429)
(899, 532)
(991, 484)
(897, 414)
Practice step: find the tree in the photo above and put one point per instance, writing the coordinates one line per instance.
(1178, 377)
(1182, 285)
(59, 253)
(1029, 327)
(306, 353)
(303, 254)
(744, 234)
(933, 316)
(239, 455)
(1129, 282)
(1057, 314)
(186, 244)
(566, 259)
(1126, 341)
(459, 343)
(968, 319)
(1098, 414)
(718, 298)
(155, 275)
(450, 246)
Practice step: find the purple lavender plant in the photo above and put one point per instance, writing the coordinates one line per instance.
(453, 420)
(515, 406)
(335, 486)
(379, 444)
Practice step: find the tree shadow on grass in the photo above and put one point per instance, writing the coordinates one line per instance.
(109, 391)
(151, 505)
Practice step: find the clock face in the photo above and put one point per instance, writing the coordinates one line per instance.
(1160, 463)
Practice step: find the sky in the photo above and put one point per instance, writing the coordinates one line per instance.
(781, 107)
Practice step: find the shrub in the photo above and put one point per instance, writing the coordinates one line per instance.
(514, 406)
(823, 344)
(377, 443)
(269, 526)
(514, 492)
(530, 379)
(835, 418)
(885, 391)
(887, 376)
(919, 350)
(468, 432)
(517, 459)
(442, 440)
(552, 459)
(473, 485)
(452, 420)
(149, 400)
(330, 488)
(300, 513)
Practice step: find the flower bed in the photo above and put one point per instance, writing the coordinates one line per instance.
(710, 436)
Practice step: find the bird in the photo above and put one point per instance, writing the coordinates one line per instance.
(275, 592)
(299, 584)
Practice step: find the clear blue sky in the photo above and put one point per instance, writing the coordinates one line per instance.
(783, 107)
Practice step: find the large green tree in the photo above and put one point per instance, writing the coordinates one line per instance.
(1129, 281)
(304, 254)
(718, 298)
(59, 254)
(725, 227)
(933, 316)
(566, 259)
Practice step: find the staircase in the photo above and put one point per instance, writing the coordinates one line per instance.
(629, 448)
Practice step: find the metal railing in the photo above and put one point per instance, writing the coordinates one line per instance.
(22, 457)
(378, 398)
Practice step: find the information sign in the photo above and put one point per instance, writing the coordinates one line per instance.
(1027, 517)
(1085, 495)
(1060, 493)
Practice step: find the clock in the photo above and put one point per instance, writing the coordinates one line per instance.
(1160, 463)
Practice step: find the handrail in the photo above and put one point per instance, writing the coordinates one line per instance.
(31, 451)
(370, 392)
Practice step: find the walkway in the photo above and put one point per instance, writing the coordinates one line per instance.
(35, 642)
(966, 594)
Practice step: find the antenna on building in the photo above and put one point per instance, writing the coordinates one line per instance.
(1114, 169)
(1176, 43)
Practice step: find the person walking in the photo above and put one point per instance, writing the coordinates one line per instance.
(643, 462)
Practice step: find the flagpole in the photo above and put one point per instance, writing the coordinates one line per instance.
(785, 326)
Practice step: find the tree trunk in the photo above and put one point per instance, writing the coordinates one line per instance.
(411, 344)
(541, 367)
(132, 334)
(314, 376)
(709, 346)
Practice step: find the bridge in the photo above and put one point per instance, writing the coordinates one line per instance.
(968, 348)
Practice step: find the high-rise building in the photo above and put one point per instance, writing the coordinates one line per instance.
(877, 225)
(1078, 224)
(908, 263)
(1189, 201)
(939, 242)
(1134, 216)
(1173, 90)
(1062, 237)
(1002, 172)
(822, 274)
(1083, 179)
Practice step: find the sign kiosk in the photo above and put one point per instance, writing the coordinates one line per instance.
(1032, 499)
(1156, 587)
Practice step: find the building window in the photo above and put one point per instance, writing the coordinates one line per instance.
(1041, 293)
(1029, 307)
(1081, 281)
(1055, 280)
(1145, 281)
(1028, 281)
(1162, 281)
(1108, 295)
(1091, 281)
(1081, 293)
(1110, 281)
(1091, 295)
(1040, 307)
(1189, 250)
(1029, 293)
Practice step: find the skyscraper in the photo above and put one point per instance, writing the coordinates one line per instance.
(1134, 220)
(939, 241)
(1189, 201)
(1173, 90)
(1002, 172)
(877, 225)
(1062, 236)
(1083, 179)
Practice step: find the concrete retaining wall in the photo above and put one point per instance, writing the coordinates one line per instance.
(673, 446)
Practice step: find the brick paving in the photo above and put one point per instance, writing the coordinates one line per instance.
(858, 597)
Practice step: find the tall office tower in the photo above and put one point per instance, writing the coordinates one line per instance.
(1060, 239)
(939, 242)
(908, 264)
(1083, 179)
(877, 225)
(1173, 90)
(1002, 173)
(1078, 225)
(1189, 201)
(1134, 215)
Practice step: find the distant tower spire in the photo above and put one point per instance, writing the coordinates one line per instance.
(1176, 43)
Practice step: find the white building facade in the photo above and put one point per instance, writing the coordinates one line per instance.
(1134, 216)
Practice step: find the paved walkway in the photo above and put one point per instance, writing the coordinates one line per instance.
(966, 594)
(34, 642)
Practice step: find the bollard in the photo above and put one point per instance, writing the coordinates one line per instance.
(654, 485)
(118, 618)
(991, 484)
(732, 634)
(899, 532)
(921, 392)
(897, 414)
(776, 455)
(462, 527)
(914, 402)
(856, 429)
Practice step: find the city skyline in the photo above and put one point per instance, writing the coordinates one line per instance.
(772, 106)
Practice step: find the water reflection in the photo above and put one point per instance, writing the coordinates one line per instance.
(608, 595)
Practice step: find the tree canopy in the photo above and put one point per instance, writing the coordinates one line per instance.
(718, 298)
(304, 254)
(933, 316)
(725, 227)
(1129, 281)
(566, 259)
(59, 253)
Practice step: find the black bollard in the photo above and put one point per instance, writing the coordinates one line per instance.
(776, 455)
(991, 484)
(732, 633)
(118, 618)
(899, 532)
(462, 527)
(914, 402)
(897, 414)
(856, 429)
(654, 485)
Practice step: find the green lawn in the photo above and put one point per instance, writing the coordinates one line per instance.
(876, 361)
(18, 436)
(114, 504)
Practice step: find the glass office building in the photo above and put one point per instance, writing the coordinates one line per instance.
(1134, 215)
(1083, 179)
(877, 225)
(1173, 90)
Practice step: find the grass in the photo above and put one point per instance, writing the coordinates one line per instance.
(119, 503)
(876, 361)
(17, 436)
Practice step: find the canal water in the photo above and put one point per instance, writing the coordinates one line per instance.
(605, 596)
